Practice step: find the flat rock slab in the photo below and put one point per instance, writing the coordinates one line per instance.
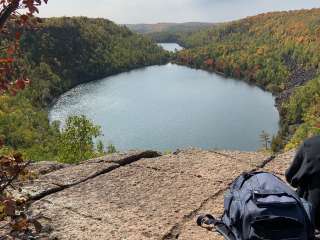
(68, 175)
(139, 198)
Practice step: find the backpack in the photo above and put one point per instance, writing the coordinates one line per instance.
(259, 205)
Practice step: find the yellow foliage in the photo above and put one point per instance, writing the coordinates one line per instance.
(260, 51)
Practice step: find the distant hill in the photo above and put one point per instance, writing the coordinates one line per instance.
(168, 27)
(170, 32)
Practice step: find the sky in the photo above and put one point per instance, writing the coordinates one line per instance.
(154, 11)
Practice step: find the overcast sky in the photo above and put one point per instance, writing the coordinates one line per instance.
(153, 11)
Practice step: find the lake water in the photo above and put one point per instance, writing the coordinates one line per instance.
(171, 47)
(168, 107)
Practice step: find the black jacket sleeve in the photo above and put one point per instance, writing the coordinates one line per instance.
(294, 168)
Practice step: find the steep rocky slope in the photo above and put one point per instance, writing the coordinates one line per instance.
(141, 195)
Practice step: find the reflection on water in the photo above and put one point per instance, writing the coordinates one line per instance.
(171, 47)
(170, 106)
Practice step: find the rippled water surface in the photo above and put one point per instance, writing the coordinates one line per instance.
(170, 106)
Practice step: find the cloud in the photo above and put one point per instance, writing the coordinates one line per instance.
(151, 11)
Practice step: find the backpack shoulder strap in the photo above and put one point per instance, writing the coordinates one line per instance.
(225, 231)
(210, 222)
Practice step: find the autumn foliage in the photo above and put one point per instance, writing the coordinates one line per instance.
(16, 223)
(15, 15)
(278, 51)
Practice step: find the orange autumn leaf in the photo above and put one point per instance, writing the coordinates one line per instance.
(20, 84)
(10, 9)
(10, 50)
(317, 125)
(21, 224)
(6, 60)
(18, 36)
(209, 62)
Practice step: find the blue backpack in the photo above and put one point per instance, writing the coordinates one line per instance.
(259, 205)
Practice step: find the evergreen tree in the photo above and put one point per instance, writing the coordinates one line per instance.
(265, 140)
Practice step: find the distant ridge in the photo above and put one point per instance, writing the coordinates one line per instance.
(168, 27)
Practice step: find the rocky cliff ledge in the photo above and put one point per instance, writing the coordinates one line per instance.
(140, 195)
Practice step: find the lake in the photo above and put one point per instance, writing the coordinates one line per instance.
(171, 47)
(168, 107)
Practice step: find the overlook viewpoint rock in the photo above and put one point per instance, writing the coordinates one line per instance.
(141, 195)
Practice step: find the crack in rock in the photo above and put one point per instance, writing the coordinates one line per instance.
(265, 163)
(225, 155)
(175, 231)
(118, 163)
(61, 187)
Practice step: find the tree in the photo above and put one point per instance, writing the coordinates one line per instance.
(100, 148)
(12, 168)
(12, 22)
(60, 54)
(265, 139)
(9, 9)
(276, 143)
(15, 219)
(77, 140)
(111, 149)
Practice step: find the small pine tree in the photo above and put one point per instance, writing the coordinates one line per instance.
(265, 139)
(276, 143)
(100, 148)
(111, 149)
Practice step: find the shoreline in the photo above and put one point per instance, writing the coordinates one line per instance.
(272, 127)
(55, 99)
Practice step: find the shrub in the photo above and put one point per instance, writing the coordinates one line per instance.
(76, 141)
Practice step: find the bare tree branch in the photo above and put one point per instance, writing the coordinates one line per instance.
(15, 177)
(7, 11)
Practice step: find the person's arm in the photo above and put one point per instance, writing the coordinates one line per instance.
(295, 166)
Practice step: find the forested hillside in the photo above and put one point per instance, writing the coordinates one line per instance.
(168, 27)
(277, 51)
(59, 54)
(78, 50)
(169, 32)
